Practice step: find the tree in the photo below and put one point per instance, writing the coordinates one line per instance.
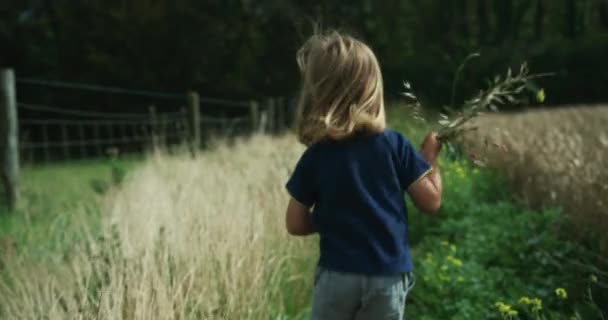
(603, 13)
(571, 14)
(539, 19)
(483, 21)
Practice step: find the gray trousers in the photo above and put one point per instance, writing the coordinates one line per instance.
(349, 296)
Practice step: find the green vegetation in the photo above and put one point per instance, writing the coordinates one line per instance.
(204, 238)
(484, 256)
(57, 200)
(247, 48)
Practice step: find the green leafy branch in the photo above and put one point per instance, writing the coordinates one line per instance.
(512, 88)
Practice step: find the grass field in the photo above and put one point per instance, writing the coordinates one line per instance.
(204, 238)
(553, 158)
(54, 197)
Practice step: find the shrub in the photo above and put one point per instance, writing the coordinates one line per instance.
(484, 251)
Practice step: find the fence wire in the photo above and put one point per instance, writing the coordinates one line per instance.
(91, 114)
(68, 133)
(91, 133)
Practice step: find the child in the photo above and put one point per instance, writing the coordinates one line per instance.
(348, 185)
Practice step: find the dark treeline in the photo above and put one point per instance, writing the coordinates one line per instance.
(246, 48)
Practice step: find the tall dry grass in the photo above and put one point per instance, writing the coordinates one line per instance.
(553, 157)
(183, 239)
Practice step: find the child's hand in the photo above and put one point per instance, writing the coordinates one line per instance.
(430, 148)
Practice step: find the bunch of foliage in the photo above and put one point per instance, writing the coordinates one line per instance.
(512, 88)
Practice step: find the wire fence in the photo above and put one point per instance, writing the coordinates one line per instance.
(75, 133)
(54, 133)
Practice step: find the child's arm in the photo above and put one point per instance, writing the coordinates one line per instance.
(427, 191)
(298, 219)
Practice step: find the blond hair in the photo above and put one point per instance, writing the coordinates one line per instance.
(341, 90)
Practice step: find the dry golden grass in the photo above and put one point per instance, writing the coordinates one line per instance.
(183, 239)
(553, 157)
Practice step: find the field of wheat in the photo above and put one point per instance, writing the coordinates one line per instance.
(555, 157)
(182, 239)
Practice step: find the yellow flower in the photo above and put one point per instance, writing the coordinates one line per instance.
(460, 172)
(505, 309)
(540, 95)
(455, 261)
(593, 278)
(512, 313)
(561, 293)
(537, 304)
(525, 300)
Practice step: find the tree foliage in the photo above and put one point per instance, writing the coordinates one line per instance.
(245, 48)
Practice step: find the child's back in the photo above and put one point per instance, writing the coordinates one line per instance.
(357, 187)
(353, 177)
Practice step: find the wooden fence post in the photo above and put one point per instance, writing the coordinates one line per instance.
(64, 142)
(164, 140)
(280, 105)
(82, 143)
(9, 138)
(291, 109)
(272, 116)
(137, 138)
(183, 125)
(194, 109)
(125, 139)
(97, 138)
(254, 116)
(263, 124)
(153, 136)
(111, 137)
(45, 143)
(224, 123)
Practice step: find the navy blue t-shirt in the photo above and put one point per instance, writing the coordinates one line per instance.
(356, 187)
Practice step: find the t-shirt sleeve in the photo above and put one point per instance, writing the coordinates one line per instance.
(301, 184)
(412, 166)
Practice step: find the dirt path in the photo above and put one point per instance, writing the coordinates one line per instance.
(552, 157)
